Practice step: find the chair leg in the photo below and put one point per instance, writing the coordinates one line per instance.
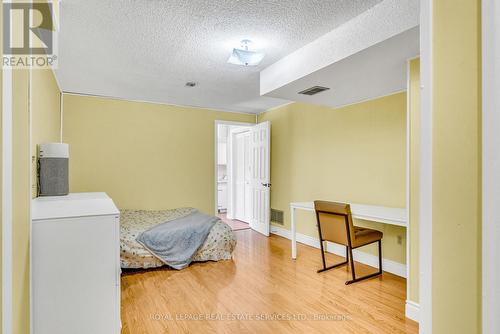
(352, 264)
(325, 268)
(380, 256)
(322, 254)
(379, 272)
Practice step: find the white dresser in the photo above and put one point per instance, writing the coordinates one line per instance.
(75, 264)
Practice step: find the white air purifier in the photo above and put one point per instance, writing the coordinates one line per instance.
(53, 169)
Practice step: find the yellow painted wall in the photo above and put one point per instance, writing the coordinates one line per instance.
(46, 116)
(456, 218)
(414, 97)
(44, 125)
(144, 155)
(21, 203)
(355, 154)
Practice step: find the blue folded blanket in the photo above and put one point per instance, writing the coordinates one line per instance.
(175, 242)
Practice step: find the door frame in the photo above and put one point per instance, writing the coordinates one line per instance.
(411, 307)
(425, 209)
(216, 152)
(490, 166)
(7, 210)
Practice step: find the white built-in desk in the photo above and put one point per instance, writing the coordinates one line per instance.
(380, 214)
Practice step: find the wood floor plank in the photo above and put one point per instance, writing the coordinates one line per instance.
(262, 290)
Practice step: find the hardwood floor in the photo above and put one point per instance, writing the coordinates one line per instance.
(263, 291)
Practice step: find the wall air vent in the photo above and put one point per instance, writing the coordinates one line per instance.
(313, 90)
(277, 216)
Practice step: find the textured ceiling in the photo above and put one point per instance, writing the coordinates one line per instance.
(376, 71)
(360, 60)
(387, 19)
(148, 49)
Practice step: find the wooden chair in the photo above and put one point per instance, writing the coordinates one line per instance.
(335, 225)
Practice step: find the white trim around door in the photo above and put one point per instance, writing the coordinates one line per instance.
(425, 211)
(408, 183)
(411, 307)
(7, 201)
(491, 166)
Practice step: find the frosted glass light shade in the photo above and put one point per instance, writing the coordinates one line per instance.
(245, 57)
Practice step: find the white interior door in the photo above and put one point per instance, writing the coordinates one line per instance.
(260, 149)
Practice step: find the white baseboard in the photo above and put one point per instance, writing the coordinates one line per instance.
(411, 310)
(390, 266)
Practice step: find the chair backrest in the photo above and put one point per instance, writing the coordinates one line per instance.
(334, 221)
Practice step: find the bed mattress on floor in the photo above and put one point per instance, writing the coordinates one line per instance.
(219, 244)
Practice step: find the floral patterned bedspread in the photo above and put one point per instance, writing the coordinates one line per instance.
(219, 244)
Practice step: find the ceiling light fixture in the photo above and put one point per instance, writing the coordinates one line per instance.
(244, 56)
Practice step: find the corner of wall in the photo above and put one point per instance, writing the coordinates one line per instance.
(61, 114)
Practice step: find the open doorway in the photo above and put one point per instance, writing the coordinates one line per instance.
(233, 173)
(242, 175)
